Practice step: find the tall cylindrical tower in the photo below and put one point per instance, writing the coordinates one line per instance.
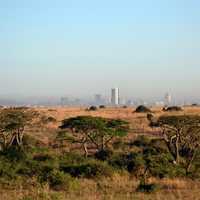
(115, 96)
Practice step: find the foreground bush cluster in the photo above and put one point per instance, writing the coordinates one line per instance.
(62, 171)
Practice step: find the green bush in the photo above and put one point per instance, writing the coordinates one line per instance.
(89, 169)
(141, 141)
(162, 166)
(7, 169)
(103, 155)
(92, 108)
(172, 109)
(72, 158)
(14, 153)
(119, 144)
(134, 163)
(147, 187)
(159, 145)
(43, 157)
(48, 119)
(142, 109)
(59, 180)
(119, 161)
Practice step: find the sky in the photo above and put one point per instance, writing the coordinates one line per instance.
(80, 48)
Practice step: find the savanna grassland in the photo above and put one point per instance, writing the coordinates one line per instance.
(51, 164)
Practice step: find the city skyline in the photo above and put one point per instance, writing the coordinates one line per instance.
(115, 98)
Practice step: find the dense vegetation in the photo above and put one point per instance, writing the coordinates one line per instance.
(103, 151)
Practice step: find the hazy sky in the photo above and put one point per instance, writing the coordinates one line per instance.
(82, 47)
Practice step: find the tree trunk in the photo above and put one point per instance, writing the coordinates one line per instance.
(85, 149)
(177, 150)
(102, 143)
(190, 162)
(12, 140)
(168, 144)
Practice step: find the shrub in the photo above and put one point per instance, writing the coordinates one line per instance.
(142, 109)
(72, 158)
(59, 180)
(43, 157)
(161, 166)
(14, 153)
(48, 119)
(172, 109)
(6, 169)
(141, 141)
(147, 187)
(92, 108)
(51, 119)
(119, 144)
(119, 161)
(103, 155)
(89, 169)
(136, 164)
(159, 145)
(132, 162)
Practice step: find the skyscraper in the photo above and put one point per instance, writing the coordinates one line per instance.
(168, 99)
(115, 96)
(98, 99)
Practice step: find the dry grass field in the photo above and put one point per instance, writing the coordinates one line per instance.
(138, 121)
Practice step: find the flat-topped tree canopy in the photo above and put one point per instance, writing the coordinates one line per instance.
(181, 134)
(96, 130)
(178, 121)
(12, 124)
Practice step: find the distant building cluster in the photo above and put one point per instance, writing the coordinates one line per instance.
(114, 99)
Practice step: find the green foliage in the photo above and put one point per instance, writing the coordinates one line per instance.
(92, 108)
(147, 187)
(182, 136)
(6, 169)
(136, 163)
(103, 155)
(89, 169)
(57, 180)
(119, 144)
(12, 124)
(96, 130)
(179, 121)
(142, 109)
(72, 158)
(14, 153)
(47, 119)
(141, 141)
(172, 109)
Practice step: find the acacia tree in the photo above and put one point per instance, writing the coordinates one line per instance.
(191, 144)
(94, 130)
(181, 134)
(12, 125)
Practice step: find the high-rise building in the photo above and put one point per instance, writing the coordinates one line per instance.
(98, 99)
(115, 96)
(168, 99)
